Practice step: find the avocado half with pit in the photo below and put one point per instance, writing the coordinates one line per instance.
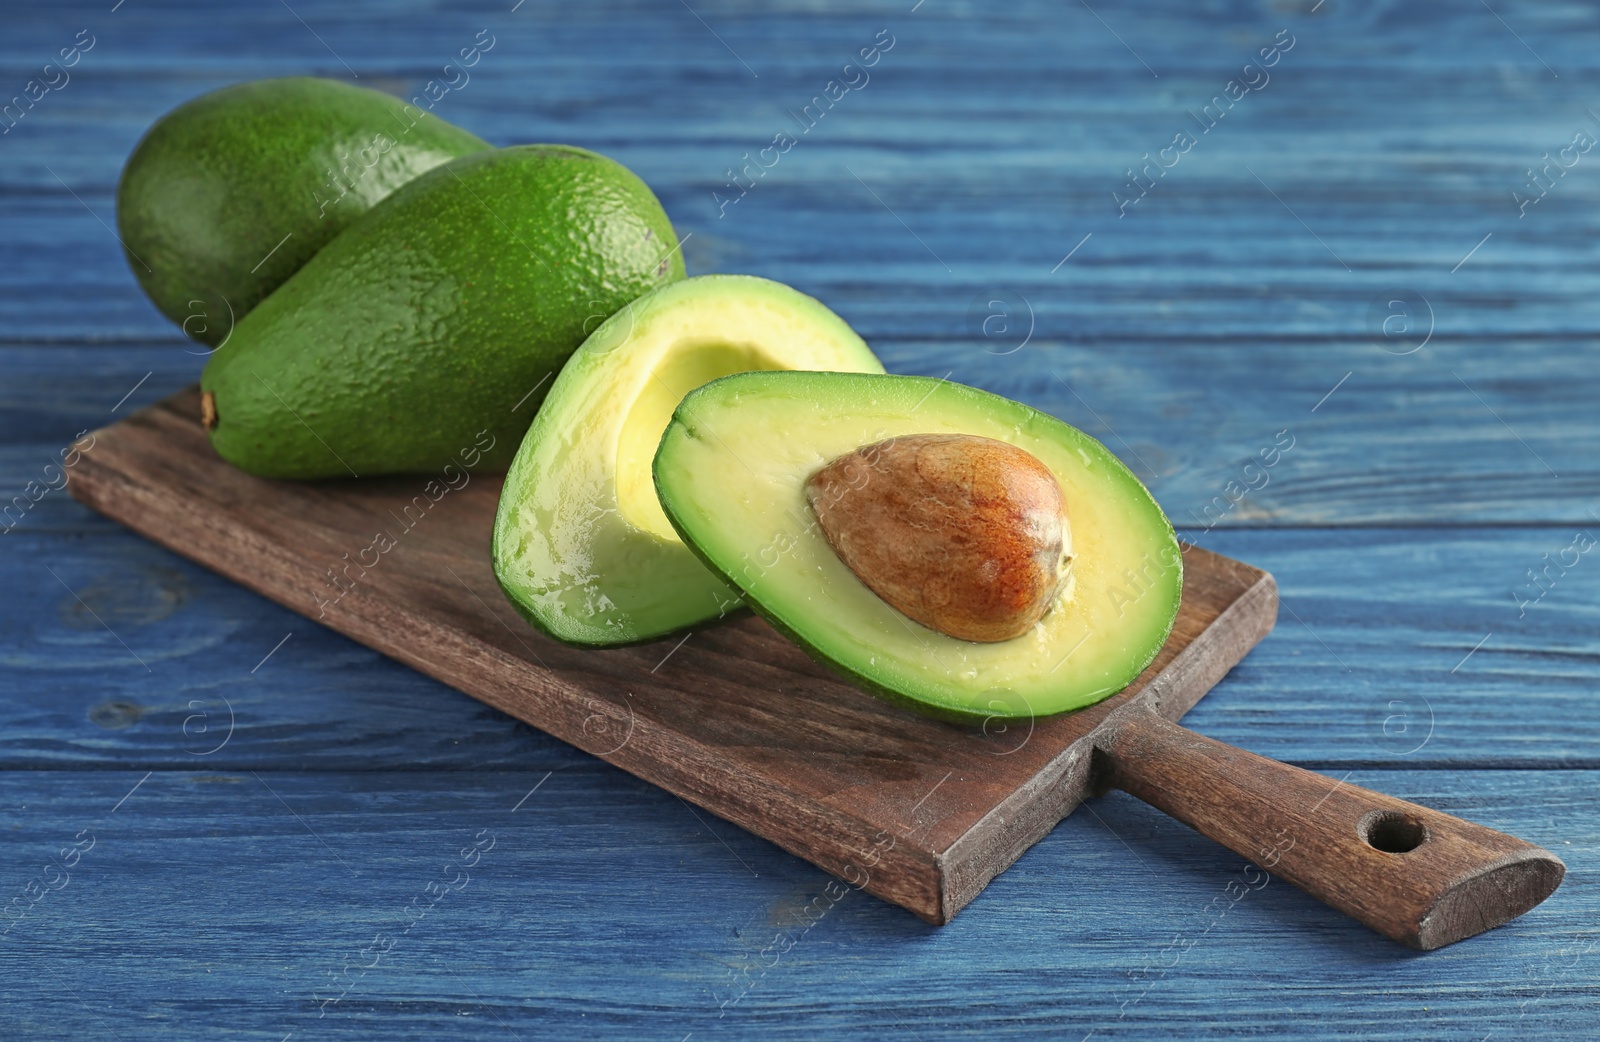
(581, 546)
(754, 468)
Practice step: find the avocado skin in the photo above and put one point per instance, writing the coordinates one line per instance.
(221, 180)
(426, 334)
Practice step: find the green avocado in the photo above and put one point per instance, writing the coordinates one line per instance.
(731, 472)
(581, 546)
(427, 333)
(229, 194)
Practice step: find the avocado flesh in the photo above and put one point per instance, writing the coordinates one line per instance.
(731, 473)
(427, 334)
(581, 545)
(230, 193)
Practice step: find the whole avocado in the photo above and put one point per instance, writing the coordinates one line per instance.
(229, 194)
(426, 334)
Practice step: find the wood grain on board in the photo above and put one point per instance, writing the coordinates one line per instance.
(733, 718)
(1207, 319)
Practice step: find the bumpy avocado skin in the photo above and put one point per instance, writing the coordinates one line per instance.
(427, 333)
(231, 193)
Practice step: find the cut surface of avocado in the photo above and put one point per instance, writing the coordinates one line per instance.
(731, 474)
(581, 545)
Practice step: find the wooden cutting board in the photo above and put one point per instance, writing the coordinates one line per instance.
(733, 718)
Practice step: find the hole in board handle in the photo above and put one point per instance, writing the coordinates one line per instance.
(1392, 832)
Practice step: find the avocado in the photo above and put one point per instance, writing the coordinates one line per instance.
(581, 546)
(966, 535)
(229, 194)
(427, 333)
(734, 474)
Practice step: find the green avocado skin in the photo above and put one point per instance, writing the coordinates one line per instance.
(231, 193)
(426, 335)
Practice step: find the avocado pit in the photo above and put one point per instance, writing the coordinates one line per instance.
(963, 534)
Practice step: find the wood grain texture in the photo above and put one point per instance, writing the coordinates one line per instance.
(217, 904)
(918, 812)
(1368, 668)
(1411, 873)
(1000, 169)
(1194, 328)
(1404, 440)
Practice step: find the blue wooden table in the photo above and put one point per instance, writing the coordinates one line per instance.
(1369, 229)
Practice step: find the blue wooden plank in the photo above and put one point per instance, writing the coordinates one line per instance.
(229, 904)
(1218, 266)
(117, 653)
(1419, 646)
(122, 652)
(988, 144)
(999, 190)
(1460, 432)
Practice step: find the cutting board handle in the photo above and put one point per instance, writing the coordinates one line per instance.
(1413, 874)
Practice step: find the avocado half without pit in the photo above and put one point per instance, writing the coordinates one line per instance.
(581, 546)
(938, 544)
